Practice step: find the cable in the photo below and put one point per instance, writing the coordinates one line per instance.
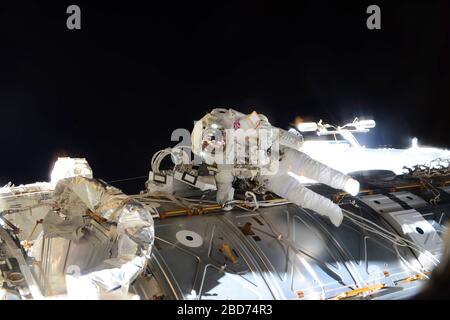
(127, 179)
(180, 156)
(392, 237)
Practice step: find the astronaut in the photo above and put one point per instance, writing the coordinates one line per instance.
(249, 147)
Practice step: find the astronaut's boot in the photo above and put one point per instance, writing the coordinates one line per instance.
(291, 189)
(335, 215)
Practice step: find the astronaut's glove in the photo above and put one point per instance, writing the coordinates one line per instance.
(352, 187)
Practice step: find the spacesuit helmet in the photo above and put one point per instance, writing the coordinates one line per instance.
(227, 136)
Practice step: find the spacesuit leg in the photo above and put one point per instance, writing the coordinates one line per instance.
(301, 164)
(224, 182)
(291, 189)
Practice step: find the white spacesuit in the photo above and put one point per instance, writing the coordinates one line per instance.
(212, 132)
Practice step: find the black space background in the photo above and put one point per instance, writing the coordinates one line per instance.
(114, 91)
